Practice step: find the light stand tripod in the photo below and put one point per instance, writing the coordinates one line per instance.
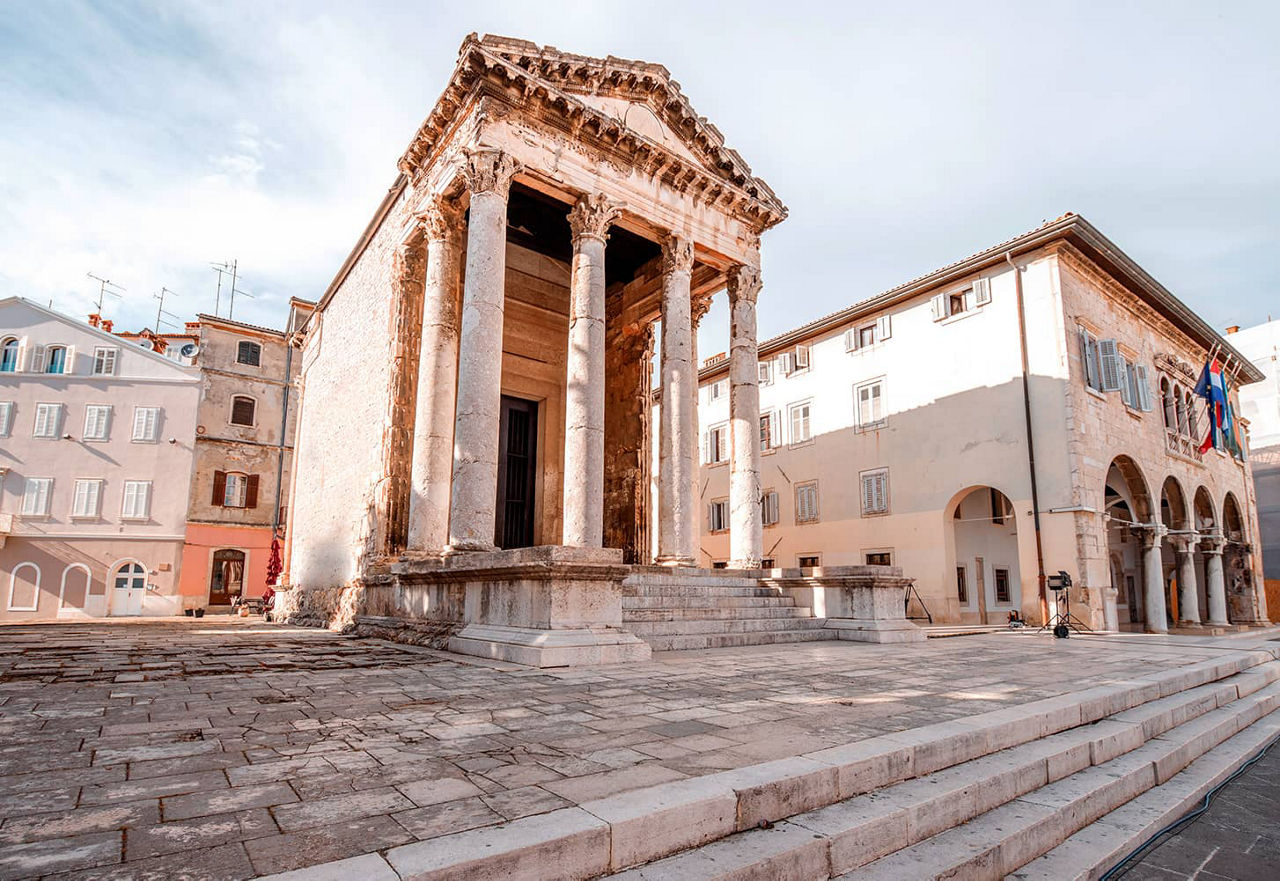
(1062, 622)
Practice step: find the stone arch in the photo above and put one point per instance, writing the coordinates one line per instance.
(1233, 526)
(982, 537)
(78, 595)
(1126, 484)
(1206, 516)
(24, 590)
(1173, 505)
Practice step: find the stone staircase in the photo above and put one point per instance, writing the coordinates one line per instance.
(676, 610)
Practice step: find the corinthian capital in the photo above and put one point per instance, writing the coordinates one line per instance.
(699, 306)
(592, 215)
(677, 254)
(441, 219)
(489, 170)
(744, 283)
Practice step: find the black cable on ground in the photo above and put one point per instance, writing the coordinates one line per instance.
(1177, 825)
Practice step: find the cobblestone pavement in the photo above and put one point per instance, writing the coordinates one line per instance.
(219, 749)
(1237, 839)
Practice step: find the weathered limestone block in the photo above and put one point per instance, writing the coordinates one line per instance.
(862, 603)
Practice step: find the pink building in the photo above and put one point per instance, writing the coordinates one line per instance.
(96, 451)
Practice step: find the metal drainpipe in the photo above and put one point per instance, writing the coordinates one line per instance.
(1031, 444)
(284, 427)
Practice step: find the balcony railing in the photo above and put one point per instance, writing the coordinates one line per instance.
(1181, 445)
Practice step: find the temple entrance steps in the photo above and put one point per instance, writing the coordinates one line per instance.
(702, 609)
(1061, 788)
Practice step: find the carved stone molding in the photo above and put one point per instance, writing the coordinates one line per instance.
(592, 215)
(744, 283)
(489, 170)
(699, 306)
(677, 254)
(441, 219)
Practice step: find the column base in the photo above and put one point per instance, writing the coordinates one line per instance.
(675, 561)
(549, 648)
(468, 547)
(744, 564)
(873, 630)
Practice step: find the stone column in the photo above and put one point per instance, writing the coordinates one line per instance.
(1188, 591)
(437, 381)
(488, 174)
(746, 539)
(1215, 586)
(585, 384)
(698, 309)
(1153, 580)
(678, 430)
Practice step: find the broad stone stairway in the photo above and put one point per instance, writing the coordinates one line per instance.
(673, 610)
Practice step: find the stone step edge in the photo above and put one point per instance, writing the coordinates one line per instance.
(860, 831)
(647, 824)
(1007, 836)
(1091, 852)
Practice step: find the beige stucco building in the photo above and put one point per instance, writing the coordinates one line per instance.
(920, 427)
(95, 453)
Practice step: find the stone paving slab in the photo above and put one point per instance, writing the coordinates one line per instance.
(230, 749)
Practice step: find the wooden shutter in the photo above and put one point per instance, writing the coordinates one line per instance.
(251, 492)
(21, 363)
(1126, 383)
(802, 356)
(219, 488)
(1144, 390)
(37, 359)
(787, 361)
(981, 291)
(938, 303)
(851, 340)
(884, 327)
(1111, 374)
(69, 360)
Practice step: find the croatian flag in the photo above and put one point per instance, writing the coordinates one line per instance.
(1213, 388)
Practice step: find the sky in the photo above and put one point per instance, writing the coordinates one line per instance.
(142, 142)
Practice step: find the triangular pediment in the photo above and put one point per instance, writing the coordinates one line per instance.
(634, 101)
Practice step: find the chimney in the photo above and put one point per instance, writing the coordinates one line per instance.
(106, 324)
(94, 319)
(1233, 328)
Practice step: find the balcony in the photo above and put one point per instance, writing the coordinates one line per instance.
(1181, 445)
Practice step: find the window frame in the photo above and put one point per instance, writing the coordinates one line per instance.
(807, 404)
(13, 583)
(105, 435)
(104, 356)
(771, 417)
(803, 486)
(765, 496)
(7, 409)
(11, 346)
(816, 558)
(231, 413)
(255, 347)
(1008, 584)
(238, 479)
(871, 474)
(887, 553)
(96, 511)
(962, 584)
(877, 383)
(155, 426)
(764, 372)
(47, 484)
(128, 513)
(44, 407)
(717, 444)
(718, 509)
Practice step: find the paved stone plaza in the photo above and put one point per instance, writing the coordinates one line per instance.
(219, 748)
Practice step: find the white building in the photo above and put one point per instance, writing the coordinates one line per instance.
(1260, 404)
(95, 456)
(920, 427)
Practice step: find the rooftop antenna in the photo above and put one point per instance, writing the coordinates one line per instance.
(224, 268)
(103, 285)
(160, 309)
(234, 290)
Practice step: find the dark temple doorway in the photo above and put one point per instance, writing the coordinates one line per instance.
(517, 461)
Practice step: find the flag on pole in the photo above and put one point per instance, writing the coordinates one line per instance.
(1213, 388)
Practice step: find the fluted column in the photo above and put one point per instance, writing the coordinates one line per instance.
(1153, 581)
(1188, 590)
(1215, 582)
(437, 381)
(746, 539)
(585, 385)
(488, 174)
(678, 429)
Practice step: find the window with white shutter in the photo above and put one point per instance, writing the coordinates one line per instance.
(35, 496)
(48, 420)
(802, 357)
(768, 431)
(37, 359)
(769, 508)
(869, 404)
(851, 340)
(717, 445)
(938, 306)
(787, 362)
(875, 491)
(807, 502)
(146, 424)
(6, 418)
(718, 515)
(800, 427)
(1126, 382)
(104, 360)
(136, 502)
(1089, 359)
(981, 291)
(87, 500)
(884, 327)
(97, 419)
(766, 372)
(1143, 385)
(1111, 372)
(717, 389)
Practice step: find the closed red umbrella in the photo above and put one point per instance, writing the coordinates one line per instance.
(274, 565)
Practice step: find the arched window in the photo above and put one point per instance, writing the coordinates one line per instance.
(24, 588)
(9, 356)
(1170, 412)
(1193, 430)
(243, 409)
(1180, 402)
(249, 353)
(56, 360)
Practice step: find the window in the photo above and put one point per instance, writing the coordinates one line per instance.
(719, 564)
(97, 419)
(768, 563)
(717, 389)
(35, 496)
(717, 445)
(962, 585)
(718, 515)
(9, 355)
(146, 424)
(799, 415)
(242, 410)
(809, 561)
(104, 360)
(6, 418)
(807, 502)
(234, 490)
(1135, 390)
(766, 372)
(769, 508)
(249, 353)
(87, 501)
(879, 558)
(955, 303)
(24, 588)
(48, 420)
(860, 338)
(1002, 585)
(1109, 372)
(869, 399)
(136, 502)
(1090, 359)
(795, 360)
(768, 431)
(56, 360)
(875, 492)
